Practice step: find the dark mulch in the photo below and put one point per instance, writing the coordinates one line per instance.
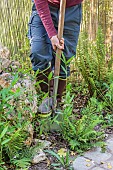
(57, 143)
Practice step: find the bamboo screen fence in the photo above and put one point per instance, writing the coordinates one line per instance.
(14, 17)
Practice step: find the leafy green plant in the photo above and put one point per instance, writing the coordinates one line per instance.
(62, 161)
(92, 63)
(11, 140)
(109, 95)
(22, 163)
(3, 141)
(12, 131)
(81, 133)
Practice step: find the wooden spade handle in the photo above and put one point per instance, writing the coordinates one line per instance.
(60, 35)
(58, 52)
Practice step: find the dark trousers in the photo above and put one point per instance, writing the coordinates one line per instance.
(42, 54)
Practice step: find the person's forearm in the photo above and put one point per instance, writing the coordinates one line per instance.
(44, 13)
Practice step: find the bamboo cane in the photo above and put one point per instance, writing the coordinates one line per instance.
(58, 51)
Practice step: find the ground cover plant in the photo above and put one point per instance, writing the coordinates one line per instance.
(82, 126)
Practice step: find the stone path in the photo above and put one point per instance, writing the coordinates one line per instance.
(95, 159)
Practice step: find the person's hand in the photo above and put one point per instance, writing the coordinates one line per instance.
(56, 43)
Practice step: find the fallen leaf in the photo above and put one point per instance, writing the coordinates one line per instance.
(73, 153)
(48, 162)
(109, 166)
(88, 160)
(28, 141)
(88, 165)
(62, 152)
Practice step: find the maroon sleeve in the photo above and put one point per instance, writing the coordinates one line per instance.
(44, 13)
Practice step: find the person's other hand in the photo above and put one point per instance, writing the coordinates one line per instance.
(56, 43)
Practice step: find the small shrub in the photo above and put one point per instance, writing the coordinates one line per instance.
(13, 129)
(93, 63)
(80, 133)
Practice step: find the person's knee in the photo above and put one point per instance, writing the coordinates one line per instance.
(38, 62)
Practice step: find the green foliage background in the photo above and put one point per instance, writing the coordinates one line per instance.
(14, 17)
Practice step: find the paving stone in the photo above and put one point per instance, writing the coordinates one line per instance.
(82, 163)
(109, 143)
(98, 168)
(95, 159)
(97, 156)
(108, 165)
